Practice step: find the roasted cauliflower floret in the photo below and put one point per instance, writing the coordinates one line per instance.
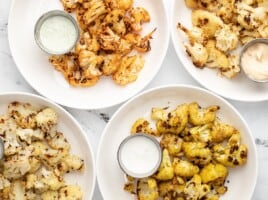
(171, 189)
(95, 9)
(234, 67)
(142, 44)
(51, 180)
(195, 35)
(128, 70)
(147, 189)
(233, 154)
(59, 142)
(172, 143)
(200, 116)
(216, 58)
(46, 119)
(69, 5)
(208, 21)
(198, 53)
(50, 195)
(23, 113)
(115, 20)
(214, 174)
(195, 190)
(197, 152)
(226, 39)
(4, 182)
(165, 171)
(201, 133)
(143, 126)
(74, 163)
(17, 165)
(138, 16)
(172, 122)
(184, 168)
(70, 192)
(17, 190)
(221, 131)
(108, 39)
(111, 64)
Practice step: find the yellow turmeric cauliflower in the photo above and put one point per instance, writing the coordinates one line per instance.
(172, 143)
(147, 189)
(214, 174)
(165, 171)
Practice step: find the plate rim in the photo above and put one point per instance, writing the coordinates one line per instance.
(169, 86)
(100, 106)
(198, 80)
(68, 115)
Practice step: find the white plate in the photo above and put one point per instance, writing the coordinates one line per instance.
(110, 177)
(240, 88)
(71, 130)
(34, 66)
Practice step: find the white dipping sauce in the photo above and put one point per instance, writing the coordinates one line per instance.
(255, 61)
(58, 34)
(140, 155)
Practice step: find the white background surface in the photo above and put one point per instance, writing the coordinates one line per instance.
(172, 72)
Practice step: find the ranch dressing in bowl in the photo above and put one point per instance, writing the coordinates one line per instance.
(254, 60)
(56, 32)
(139, 155)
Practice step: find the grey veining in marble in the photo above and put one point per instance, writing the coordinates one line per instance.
(93, 122)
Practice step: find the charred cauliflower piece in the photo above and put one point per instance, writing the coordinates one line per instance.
(165, 171)
(214, 174)
(147, 189)
(59, 142)
(172, 122)
(115, 19)
(23, 114)
(198, 53)
(128, 70)
(234, 67)
(200, 116)
(233, 154)
(138, 16)
(172, 189)
(226, 39)
(95, 9)
(50, 195)
(69, 5)
(195, 35)
(46, 119)
(143, 126)
(221, 131)
(197, 152)
(208, 21)
(70, 192)
(201, 133)
(172, 143)
(111, 64)
(195, 190)
(184, 168)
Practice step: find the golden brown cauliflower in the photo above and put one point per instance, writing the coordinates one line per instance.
(200, 116)
(233, 154)
(172, 143)
(165, 171)
(214, 174)
(208, 21)
(198, 54)
(138, 16)
(111, 64)
(234, 67)
(201, 133)
(216, 58)
(129, 69)
(147, 189)
(50, 195)
(115, 20)
(226, 38)
(197, 152)
(221, 131)
(70, 192)
(172, 189)
(184, 168)
(46, 119)
(195, 35)
(95, 9)
(143, 126)
(69, 5)
(171, 122)
(195, 190)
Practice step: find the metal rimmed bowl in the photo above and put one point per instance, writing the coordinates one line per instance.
(128, 171)
(39, 24)
(1, 148)
(244, 49)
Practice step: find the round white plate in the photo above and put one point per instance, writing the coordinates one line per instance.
(110, 177)
(239, 88)
(34, 66)
(71, 130)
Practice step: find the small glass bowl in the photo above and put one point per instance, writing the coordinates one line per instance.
(43, 18)
(133, 174)
(244, 48)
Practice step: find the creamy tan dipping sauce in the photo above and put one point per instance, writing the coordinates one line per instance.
(254, 62)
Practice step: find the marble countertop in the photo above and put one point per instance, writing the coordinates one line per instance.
(172, 72)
